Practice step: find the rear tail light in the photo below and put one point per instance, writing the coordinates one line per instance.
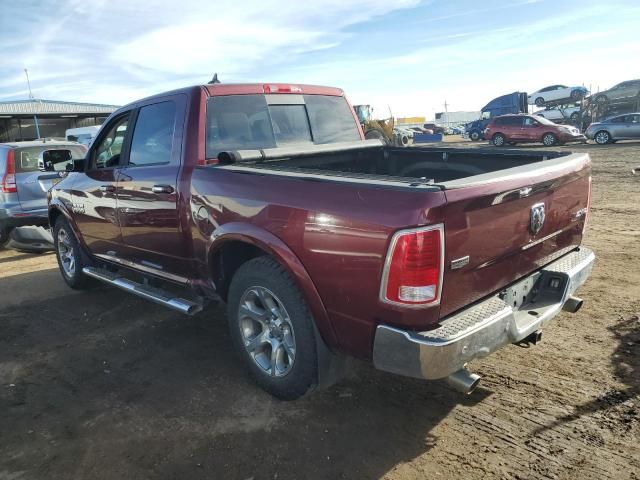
(413, 268)
(280, 88)
(8, 184)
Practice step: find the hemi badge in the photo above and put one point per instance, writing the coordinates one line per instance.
(459, 262)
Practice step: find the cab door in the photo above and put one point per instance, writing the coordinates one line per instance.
(148, 193)
(93, 198)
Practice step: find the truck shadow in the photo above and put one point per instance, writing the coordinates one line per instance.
(104, 385)
(618, 406)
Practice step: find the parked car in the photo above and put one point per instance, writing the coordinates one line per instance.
(434, 127)
(83, 135)
(515, 102)
(323, 244)
(621, 91)
(554, 93)
(457, 131)
(621, 127)
(561, 114)
(514, 129)
(23, 186)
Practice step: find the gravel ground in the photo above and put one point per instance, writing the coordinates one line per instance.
(102, 385)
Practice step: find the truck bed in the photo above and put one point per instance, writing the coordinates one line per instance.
(443, 167)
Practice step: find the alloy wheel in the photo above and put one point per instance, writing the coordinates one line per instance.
(267, 332)
(602, 137)
(549, 140)
(66, 253)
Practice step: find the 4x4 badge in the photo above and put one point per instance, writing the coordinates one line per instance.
(536, 218)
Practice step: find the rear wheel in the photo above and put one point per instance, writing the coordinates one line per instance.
(602, 137)
(272, 329)
(375, 134)
(601, 99)
(69, 255)
(549, 139)
(498, 140)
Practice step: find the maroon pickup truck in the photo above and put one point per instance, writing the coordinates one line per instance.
(324, 245)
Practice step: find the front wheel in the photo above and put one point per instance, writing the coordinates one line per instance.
(602, 137)
(498, 140)
(272, 329)
(601, 99)
(539, 102)
(549, 139)
(577, 94)
(68, 253)
(474, 136)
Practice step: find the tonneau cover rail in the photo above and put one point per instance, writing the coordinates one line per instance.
(236, 156)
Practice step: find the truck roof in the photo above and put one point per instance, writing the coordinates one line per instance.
(257, 88)
(39, 143)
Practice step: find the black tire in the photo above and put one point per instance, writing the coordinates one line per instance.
(5, 236)
(575, 116)
(549, 139)
(576, 94)
(376, 134)
(67, 250)
(539, 102)
(474, 135)
(267, 275)
(601, 100)
(498, 140)
(602, 137)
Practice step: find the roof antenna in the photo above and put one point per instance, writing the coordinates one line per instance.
(214, 80)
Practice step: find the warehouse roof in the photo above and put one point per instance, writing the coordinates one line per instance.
(43, 107)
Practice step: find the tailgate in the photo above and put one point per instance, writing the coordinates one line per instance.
(499, 227)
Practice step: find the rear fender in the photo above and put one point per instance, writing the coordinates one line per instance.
(269, 243)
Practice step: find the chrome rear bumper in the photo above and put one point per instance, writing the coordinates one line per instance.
(508, 317)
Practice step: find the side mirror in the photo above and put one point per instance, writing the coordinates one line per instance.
(48, 160)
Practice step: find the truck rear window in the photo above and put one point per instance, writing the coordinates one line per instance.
(247, 122)
(26, 158)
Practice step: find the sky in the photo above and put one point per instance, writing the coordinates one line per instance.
(407, 56)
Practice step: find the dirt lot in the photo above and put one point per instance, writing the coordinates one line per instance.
(101, 385)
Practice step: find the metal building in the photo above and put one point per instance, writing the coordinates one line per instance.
(30, 119)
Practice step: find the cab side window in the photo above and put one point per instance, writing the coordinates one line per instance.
(152, 142)
(107, 151)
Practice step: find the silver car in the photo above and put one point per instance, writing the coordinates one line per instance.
(25, 180)
(620, 127)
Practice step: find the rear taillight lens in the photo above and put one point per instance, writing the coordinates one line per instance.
(8, 184)
(413, 268)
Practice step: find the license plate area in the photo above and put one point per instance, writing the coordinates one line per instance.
(542, 289)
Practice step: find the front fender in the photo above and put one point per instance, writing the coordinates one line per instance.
(268, 242)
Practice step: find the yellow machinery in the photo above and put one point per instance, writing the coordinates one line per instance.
(380, 129)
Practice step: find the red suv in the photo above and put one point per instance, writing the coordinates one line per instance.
(514, 129)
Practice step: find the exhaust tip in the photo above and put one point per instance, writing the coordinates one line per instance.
(463, 381)
(573, 304)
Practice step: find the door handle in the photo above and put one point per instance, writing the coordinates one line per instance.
(107, 188)
(162, 189)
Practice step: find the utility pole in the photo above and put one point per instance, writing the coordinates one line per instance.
(35, 118)
(446, 113)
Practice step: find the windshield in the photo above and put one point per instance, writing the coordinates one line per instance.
(27, 157)
(246, 122)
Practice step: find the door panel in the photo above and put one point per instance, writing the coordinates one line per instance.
(148, 190)
(93, 197)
